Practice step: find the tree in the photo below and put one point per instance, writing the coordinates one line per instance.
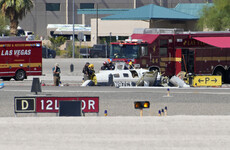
(15, 10)
(216, 17)
(57, 42)
(3, 23)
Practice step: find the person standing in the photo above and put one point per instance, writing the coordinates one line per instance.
(92, 75)
(131, 65)
(56, 74)
(105, 66)
(86, 72)
(111, 66)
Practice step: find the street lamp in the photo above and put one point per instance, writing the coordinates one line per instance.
(110, 35)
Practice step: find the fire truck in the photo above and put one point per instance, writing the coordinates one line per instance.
(19, 59)
(171, 51)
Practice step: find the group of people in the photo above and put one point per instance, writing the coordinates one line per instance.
(108, 66)
(89, 73)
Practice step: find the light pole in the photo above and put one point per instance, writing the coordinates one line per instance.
(134, 4)
(73, 30)
(110, 34)
(97, 2)
(97, 23)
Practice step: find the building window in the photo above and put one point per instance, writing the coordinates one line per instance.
(52, 6)
(86, 5)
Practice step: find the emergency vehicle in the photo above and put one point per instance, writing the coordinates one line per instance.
(171, 51)
(19, 59)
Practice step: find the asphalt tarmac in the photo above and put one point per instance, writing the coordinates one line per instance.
(115, 133)
(197, 118)
(117, 101)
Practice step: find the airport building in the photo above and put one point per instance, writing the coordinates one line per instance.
(95, 14)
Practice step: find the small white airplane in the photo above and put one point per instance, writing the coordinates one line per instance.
(124, 77)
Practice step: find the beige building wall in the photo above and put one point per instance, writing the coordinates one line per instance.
(115, 27)
(126, 27)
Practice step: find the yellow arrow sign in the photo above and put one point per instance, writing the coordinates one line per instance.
(207, 81)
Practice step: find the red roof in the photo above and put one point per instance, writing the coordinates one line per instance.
(149, 38)
(222, 42)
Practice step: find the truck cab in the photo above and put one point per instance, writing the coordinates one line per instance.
(99, 50)
(130, 50)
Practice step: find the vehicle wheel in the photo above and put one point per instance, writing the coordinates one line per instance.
(20, 75)
(221, 73)
(95, 55)
(153, 69)
(6, 78)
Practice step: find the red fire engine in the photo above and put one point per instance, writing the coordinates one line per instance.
(173, 50)
(19, 59)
